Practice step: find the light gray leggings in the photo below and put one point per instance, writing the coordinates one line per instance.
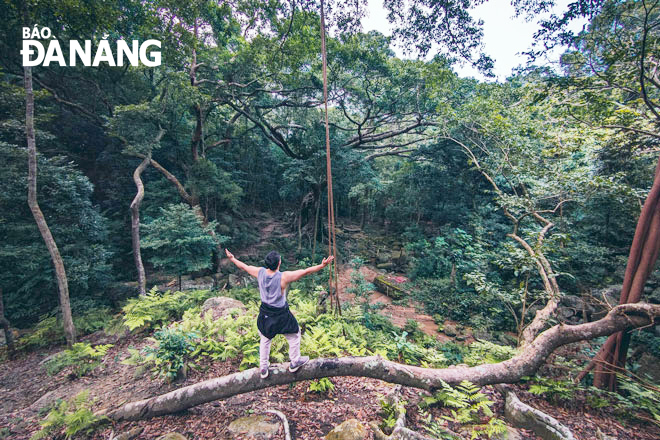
(264, 348)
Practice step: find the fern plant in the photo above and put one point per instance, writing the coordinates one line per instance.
(81, 355)
(321, 386)
(171, 353)
(468, 405)
(73, 418)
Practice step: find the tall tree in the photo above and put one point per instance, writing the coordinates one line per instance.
(60, 272)
(611, 81)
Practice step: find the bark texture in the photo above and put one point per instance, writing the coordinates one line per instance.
(60, 273)
(135, 224)
(521, 415)
(641, 260)
(524, 364)
(4, 322)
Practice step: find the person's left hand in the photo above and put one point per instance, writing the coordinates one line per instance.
(327, 260)
(229, 254)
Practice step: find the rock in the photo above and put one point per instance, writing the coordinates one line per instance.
(384, 258)
(389, 288)
(450, 329)
(202, 283)
(512, 434)
(234, 280)
(258, 426)
(351, 429)
(222, 306)
(649, 365)
(44, 401)
(385, 266)
(172, 436)
(130, 435)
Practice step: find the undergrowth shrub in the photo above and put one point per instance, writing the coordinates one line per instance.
(49, 330)
(82, 356)
(171, 353)
(322, 386)
(468, 406)
(73, 419)
(155, 309)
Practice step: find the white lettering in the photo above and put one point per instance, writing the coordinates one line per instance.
(103, 53)
(155, 54)
(26, 33)
(85, 56)
(54, 53)
(131, 54)
(27, 52)
(46, 33)
(35, 33)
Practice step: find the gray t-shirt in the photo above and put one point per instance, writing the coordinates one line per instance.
(270, 288)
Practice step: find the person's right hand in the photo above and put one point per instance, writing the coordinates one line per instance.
(229, 254)
(327, 260)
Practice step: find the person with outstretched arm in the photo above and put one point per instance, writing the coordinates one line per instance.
(275, 318)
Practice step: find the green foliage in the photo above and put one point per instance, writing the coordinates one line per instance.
(485, 352)
(321, 386)
(74, 419)
(359, 285)
(82, 356)
(171, 353)
(65, 197)
(553, 389)
(178, 241)
(155, 308)
(468, 405)
(390, 412)
(49, 330)
(433, 427)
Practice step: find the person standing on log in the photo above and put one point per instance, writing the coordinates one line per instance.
(275, 318)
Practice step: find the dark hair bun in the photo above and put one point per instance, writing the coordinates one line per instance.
(272, 260)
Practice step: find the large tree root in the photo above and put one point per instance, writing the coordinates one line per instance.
(526, 363)
(521, 415)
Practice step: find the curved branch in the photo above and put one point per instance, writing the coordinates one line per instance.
(622, 317)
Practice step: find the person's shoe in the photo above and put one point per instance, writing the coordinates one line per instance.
(295, 366)
(263, 373)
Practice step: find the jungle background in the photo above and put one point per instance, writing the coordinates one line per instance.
(463, 207)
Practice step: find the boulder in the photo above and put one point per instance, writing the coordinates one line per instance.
(129, 435)
(384, 258)
(234, 280)
(351, 429)
(172, 436)
(385, 266)
(449, 329)
(221, 306)
(389, 287)
(256, 426)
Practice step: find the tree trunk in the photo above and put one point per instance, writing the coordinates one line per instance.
(641, 260)
(4, 322)
(526, 363)
(316, 227)
(135, 224)
(62, 283)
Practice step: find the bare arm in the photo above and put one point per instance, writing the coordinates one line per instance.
(294, 275)
(252, 270)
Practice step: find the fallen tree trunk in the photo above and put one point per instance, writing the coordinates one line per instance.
(532, 357)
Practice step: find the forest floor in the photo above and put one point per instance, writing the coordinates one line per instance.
(25, 387)
(311, 416)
